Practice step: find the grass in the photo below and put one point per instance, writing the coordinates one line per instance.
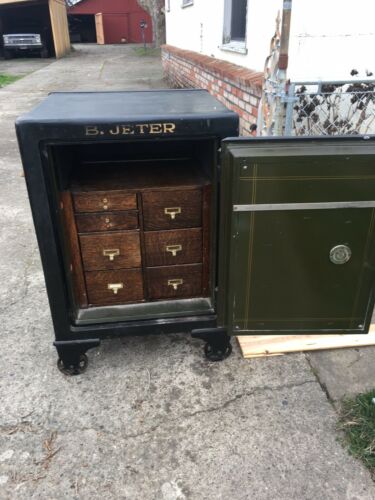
(7, 79)
(357, 420)
(150, 51)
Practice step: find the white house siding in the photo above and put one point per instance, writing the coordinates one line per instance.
(328, 38)
(199, 27)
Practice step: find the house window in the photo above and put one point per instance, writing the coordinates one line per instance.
(234, 36)
(186, 3)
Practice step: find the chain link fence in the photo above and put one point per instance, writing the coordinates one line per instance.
(330, 108)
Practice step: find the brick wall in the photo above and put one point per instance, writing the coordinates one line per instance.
(238, 88)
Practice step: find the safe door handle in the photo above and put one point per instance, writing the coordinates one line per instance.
(172, 211)
(340, 254)
(173, 249)
(111, 253)
(175, 283)
(115, 287)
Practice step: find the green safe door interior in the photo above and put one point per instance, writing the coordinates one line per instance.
(297, 236)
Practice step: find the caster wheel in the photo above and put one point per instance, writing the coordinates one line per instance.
(214, 354)
(74, 369)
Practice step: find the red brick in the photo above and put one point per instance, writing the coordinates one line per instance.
(222, 79)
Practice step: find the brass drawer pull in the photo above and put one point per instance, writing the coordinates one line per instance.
(173, 249)
(111, 253)
(108, 223)
(175, 283)
(172, 211)
(105, 204)
(115, 287)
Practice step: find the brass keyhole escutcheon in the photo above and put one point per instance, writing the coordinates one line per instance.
(115, 287)
(175, 283)
(111, 253)
(173, 249)
(172, 212)
(340, 254)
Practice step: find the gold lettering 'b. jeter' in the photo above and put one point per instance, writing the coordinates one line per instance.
(136, 129)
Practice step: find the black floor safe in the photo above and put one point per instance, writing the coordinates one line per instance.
(153, 217)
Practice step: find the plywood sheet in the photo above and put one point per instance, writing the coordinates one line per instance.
(254, 346)
(4, 2)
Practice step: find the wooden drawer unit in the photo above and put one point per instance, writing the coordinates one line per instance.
(172, 209)
(114, 287)
(111, 221)
(110, 251)
(146, 225)
(168, 248)
(104, 201)
(174, 282)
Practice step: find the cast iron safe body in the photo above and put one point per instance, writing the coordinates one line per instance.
(152, 216)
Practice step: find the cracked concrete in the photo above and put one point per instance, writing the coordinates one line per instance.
(345, 372)
(150, 419)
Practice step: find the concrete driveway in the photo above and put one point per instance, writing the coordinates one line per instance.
(150, 419)
(23, 66)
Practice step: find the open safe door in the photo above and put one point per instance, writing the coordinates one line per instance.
(296, 251)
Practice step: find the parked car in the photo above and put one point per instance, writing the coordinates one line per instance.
(24, 43)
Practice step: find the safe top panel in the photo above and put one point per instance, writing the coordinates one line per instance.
(133, 113)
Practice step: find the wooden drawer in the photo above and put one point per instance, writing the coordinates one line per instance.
(104, 201)
(174, 281)
(111, 221)
(172, 209)
(110, 251)
(164, 248)
(114, 287)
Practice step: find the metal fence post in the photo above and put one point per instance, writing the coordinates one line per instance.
(289, 109)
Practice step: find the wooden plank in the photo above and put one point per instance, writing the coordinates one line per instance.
(254, 346)
(4, 2)
(206, 227)
(99, 29)
(60, 30)
(78, 279)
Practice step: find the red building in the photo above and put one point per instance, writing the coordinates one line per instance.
(108, 21)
